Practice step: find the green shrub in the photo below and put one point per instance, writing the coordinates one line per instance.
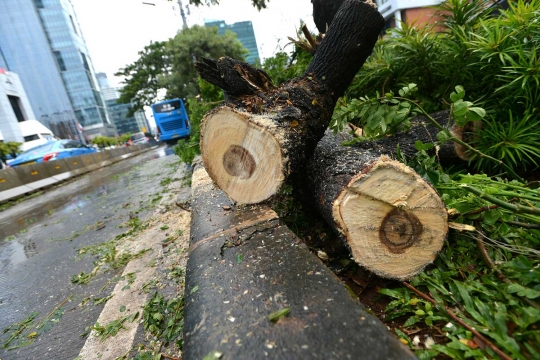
(495, 58)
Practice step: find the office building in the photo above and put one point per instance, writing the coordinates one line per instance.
(42, 42)
(245, 34)
(119, 112)
(124, 124)
(14, 106)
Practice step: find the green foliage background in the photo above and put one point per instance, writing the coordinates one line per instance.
(488, 278)
(495, 58)
(169, 65)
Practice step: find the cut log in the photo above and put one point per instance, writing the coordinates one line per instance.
(264, 135)
(392, 220)
(447, 153)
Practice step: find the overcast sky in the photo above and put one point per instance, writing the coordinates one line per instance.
(116, 30)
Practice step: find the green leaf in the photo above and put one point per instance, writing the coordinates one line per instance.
(491, 217)
(458, 95)
(419, 145)
(194, 290)
(276, 315)
(460, 108)
(476, 113)
(434, 176)
(443, 136)
(411, 321)
(402, 335)
(122, 308)
(523, 291)
(392, 293)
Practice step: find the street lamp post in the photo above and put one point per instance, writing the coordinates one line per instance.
(182, 13)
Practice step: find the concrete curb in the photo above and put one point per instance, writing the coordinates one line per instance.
(22, 180)
(244, 265)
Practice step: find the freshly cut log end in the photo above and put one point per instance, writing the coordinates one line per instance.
(393, 221)
(242, 153)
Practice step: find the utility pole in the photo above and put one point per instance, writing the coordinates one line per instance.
(183, 15)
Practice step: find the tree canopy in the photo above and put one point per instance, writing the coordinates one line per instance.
(142, 78)
(169, 65)
(191, 44)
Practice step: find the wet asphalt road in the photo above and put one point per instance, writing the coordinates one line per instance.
(39, 240)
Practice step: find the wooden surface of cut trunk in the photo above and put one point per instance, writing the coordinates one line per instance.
(391, 219)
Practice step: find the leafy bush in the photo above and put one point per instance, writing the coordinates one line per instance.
(485, 282)
(496, 58)
(9, 148)
(103, 141)
(210, 97)
(282, 67)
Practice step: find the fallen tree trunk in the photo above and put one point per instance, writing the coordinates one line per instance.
(391, 219)
(447, 153)
(324, 12)
(264, 135)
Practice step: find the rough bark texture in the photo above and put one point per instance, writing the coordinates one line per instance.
(347, 45)
(324, 12)
(293, 117)
(243, 265)
(392, 220)
(447, 153)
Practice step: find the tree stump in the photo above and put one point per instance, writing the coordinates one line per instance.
(392, 220)
(264, 135)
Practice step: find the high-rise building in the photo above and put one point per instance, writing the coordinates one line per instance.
(245, 34)
(119, 112)
(42, 42)
(103, 81)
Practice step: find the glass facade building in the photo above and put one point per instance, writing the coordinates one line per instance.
(123, 123)
(41, 41)
(119, 112)
(245, 34)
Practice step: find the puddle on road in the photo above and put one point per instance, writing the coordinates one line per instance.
(91, 186)
(15, 252)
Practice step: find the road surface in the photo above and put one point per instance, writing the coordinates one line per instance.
(48, 248)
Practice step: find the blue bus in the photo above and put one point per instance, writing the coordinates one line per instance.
(171, 119)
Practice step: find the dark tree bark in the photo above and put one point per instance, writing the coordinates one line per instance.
(392, 220)
(324, 12)
(264, 135)
(447, 153)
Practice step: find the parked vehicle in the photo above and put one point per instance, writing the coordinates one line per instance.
(52, 150)
(138, 138)
(142, 138)
(34, 134)
(172, 120)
